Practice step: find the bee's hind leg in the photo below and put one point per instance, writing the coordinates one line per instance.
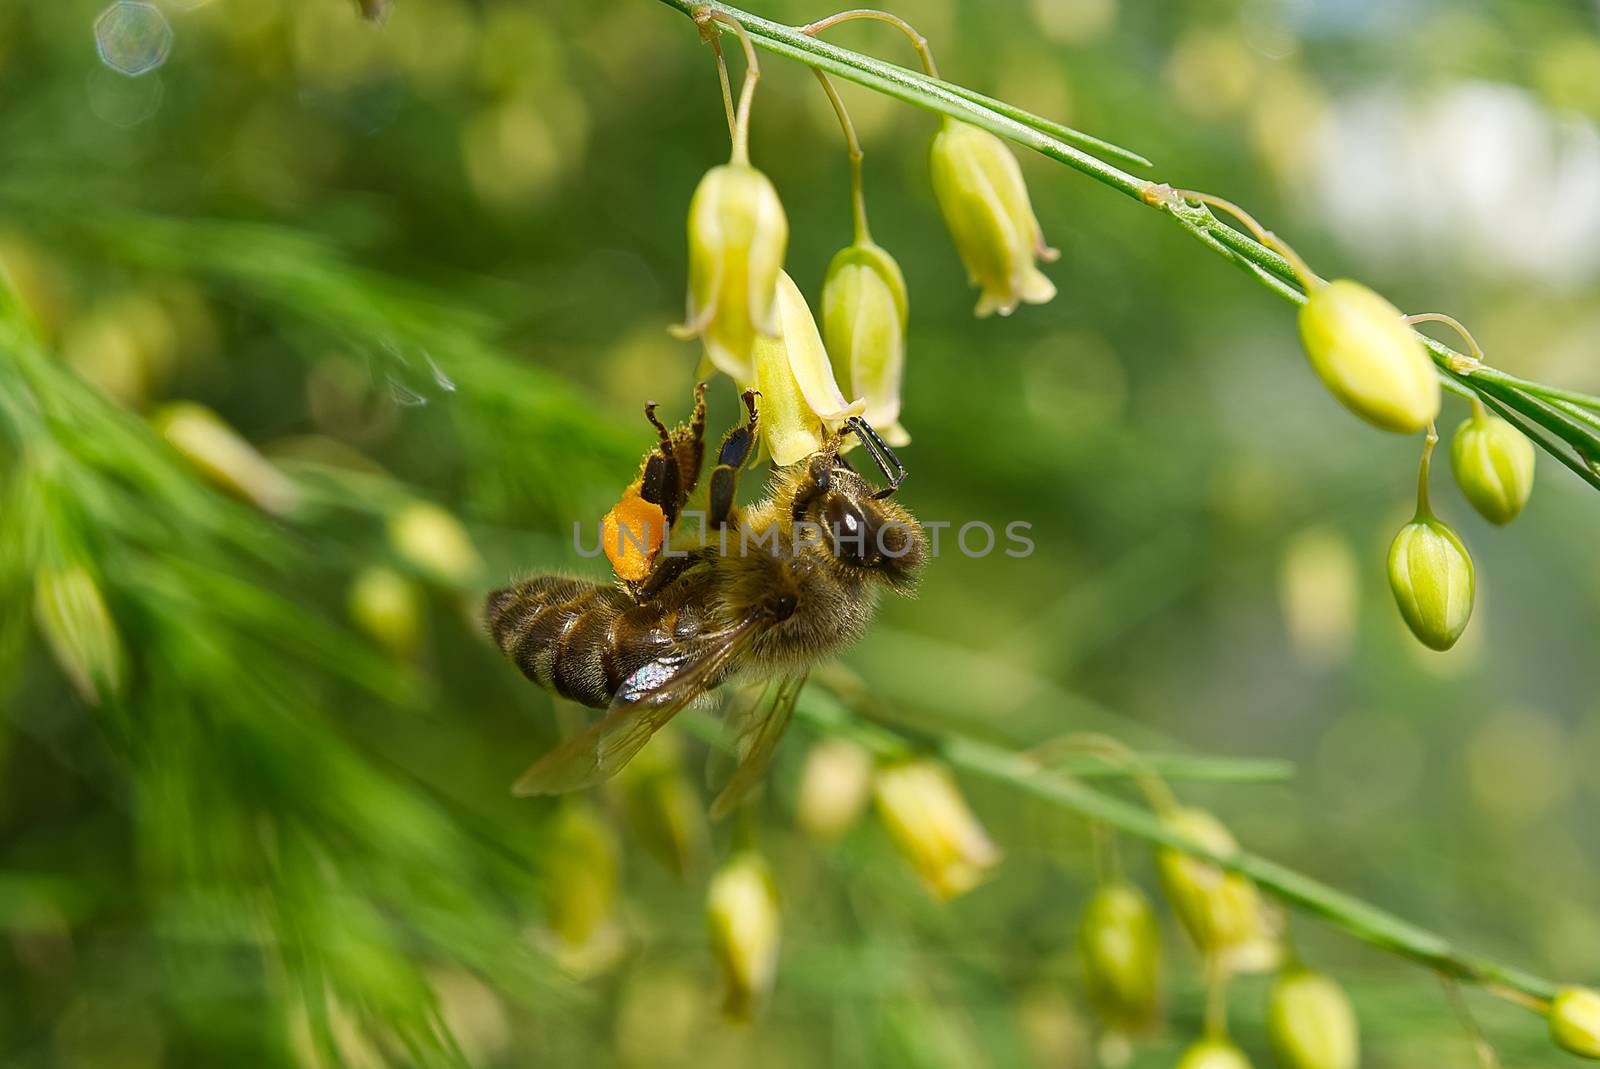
(732, 455)
(672, 468)
(689, 443)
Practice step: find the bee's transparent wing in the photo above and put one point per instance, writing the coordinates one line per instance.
(643, 704)
(739, 712)
(757, 739)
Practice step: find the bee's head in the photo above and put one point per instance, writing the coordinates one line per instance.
(857, 530)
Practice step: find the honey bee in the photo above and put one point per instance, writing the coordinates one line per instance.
(762, 593)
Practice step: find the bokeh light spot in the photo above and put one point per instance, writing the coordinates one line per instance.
(132, 37)
(122, 101)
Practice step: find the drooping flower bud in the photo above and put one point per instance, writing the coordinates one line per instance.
(1574, 1018)
(1222, 911)
(1311, 1022)
(744, 923)
(1213, 1054)
(1493, 462)
(433, 541)
(73, 618)
(737, 238)
(835, 784)
(580, 869)
(224, 457)
(1369, 357)
(930, 822)
(1433, 581)
(388, 607)
(864, 310)
(1119, 940)
(978, 184)
(663, 807)
(799, 395)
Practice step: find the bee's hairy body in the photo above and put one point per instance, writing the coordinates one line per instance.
(765, 591)
(583, 639)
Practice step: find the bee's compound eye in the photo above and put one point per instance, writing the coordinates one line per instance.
(848, 528)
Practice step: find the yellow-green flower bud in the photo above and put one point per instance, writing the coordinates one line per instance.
(663, 807)
(224, 457)
(1574, 1018)
(745, 925)
(864, 309)
(978, 184)
(799, 395)
(1222, 911)
(1311, 1022)
(433, 541)
(1120, 943)
(388, 607)
(73, 618)
(1493, 462)
(835, 784)
(737, 238)
(1369, 357)
(1433, 582)
(581, 865)
(124, 348)
(1213, 1054)
(930, 823)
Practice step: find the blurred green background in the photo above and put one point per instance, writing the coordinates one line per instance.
(435, 260)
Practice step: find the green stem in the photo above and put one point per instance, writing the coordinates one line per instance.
(919, 42)
(1358, 918)
(1048, 126)
(858, 196)
(707, 14)
(1423, 511)
(911, 88)
(1535, 401)
(1216, 1013)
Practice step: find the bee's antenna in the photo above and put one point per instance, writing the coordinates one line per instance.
(880, 453)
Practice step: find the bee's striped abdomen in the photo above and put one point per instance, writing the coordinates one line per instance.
(531, 621)
(578, 638)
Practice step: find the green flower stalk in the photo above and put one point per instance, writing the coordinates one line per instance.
(1222, 911)
(1311, 1022)
(744, 924)
(864, 314)
(799, 395)
(930, 823)
(1119, 941)
(1367, 355)
(738, 234)
(76, 625)
(1493, 464)
(1213, 1053)
(978, 184)
(1574, 1019)
(1431, 572)
(864, 303)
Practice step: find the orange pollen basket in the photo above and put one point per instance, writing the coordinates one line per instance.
(632, 534)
